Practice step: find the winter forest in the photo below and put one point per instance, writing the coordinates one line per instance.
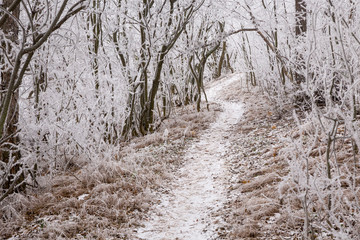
(106, 106)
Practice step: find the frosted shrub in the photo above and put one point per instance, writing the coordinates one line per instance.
(307, 54)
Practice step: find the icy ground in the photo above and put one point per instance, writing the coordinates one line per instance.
(187, 211)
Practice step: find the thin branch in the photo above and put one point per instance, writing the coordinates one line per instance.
(11, 8)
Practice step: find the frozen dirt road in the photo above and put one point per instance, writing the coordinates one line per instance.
(186, 213)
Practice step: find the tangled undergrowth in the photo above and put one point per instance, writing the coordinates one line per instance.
(109, 196)
(269, 197)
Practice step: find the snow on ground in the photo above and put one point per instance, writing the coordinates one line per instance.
(257, 164)
(187, 211)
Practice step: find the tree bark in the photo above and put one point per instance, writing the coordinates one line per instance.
(9, 152)
(300, 29)
(221, 60)
(198, 73)
(155, 86)
(301, 21)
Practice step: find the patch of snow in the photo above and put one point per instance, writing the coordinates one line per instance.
(198, 191)
(83, 196)
(213, 93)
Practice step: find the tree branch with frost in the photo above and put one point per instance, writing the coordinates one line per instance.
(229, 34)
(18, 70)
(23, 49)
(56, 24)
(11, 8)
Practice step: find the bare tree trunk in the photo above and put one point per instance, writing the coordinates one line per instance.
(300, 29)
(9, 152)
(301, 21)
(156, 82)
(198, 73)
(95, 37)
(146, 115)
(221, 60)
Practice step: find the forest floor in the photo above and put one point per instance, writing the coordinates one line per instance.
(199, 188)
(209, 175)
(228, 186)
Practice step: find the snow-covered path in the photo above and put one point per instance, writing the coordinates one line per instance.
(199, 189)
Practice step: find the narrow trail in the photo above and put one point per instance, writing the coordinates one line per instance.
(185, 213)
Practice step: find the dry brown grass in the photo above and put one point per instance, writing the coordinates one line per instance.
(255, 209)
(184, 123)
(108, 197)
(264, 200)
(259, 182)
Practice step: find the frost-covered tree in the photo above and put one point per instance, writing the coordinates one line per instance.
(9, 154)
(25, 27)
(85, 84)
(305, 55)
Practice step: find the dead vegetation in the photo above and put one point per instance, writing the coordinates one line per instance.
(109, 196)
(255, 209)
(269, 176)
